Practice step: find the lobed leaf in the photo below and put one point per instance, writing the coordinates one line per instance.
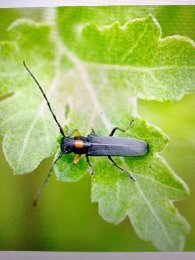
(147, 201)
(146, 65)
(28, 128)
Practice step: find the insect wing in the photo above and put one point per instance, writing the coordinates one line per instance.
(116, 146)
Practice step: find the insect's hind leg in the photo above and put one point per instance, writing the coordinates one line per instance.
(120, 129)
(114, 130)
(116, 165)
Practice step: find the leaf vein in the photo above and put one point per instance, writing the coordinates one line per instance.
(129, 52)
(154, 213)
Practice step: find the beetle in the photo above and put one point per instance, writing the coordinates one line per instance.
(94, 145)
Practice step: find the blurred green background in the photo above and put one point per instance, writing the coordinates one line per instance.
(65, 219)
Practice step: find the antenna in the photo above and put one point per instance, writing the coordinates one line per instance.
(45, 181)
(40, 190)
(43, 93)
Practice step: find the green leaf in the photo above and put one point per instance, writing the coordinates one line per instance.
(71, 20)
(26, 41)
(28, 128)
(145, 64)
(68, 172)
(147, 201)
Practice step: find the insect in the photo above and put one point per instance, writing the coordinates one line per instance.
(94, 145)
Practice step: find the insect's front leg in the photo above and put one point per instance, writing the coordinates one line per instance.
(75, 133)
(76, 159)
(120, 129)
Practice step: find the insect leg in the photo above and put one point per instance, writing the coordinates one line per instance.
(76, 159)
(116, 165)
(92, 131)
(76, 133)
(114, 130)
(120, 129)
(90, 165)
